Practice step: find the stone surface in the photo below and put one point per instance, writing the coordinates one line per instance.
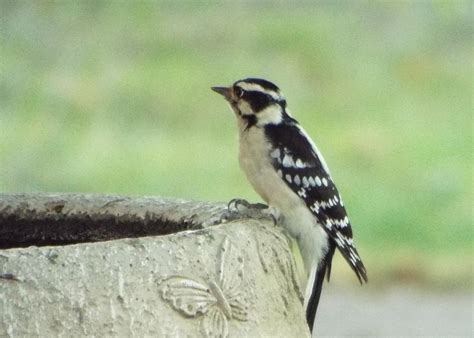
(55, 219)
(231, 280)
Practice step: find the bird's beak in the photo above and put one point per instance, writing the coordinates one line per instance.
(224, 91)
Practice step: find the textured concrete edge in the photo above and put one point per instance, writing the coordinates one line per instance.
(56, 219)
(95, 205)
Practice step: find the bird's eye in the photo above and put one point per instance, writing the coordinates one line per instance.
(239, 92)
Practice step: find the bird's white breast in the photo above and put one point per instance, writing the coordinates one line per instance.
(255, 161)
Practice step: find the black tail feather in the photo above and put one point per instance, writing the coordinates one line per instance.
(314, 298)
(324, 268)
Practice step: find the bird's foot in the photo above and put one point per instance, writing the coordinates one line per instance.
(239, 208)
(238, 204)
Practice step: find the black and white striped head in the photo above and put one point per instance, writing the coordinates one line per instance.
(256, 102)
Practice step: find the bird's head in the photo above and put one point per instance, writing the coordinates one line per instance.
(256, 102)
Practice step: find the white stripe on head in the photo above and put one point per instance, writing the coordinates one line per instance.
(270, 115)
(256, 87)
(245, 108)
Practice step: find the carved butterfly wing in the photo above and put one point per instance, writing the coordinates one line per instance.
(187, 296)
(214, 324)
(231, 274)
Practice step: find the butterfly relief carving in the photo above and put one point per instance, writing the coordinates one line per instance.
(216, 301)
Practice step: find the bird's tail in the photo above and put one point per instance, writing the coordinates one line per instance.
(314, 287)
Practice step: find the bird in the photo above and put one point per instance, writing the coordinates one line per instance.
(288, 171)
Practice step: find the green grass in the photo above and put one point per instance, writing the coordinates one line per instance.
(114, 97)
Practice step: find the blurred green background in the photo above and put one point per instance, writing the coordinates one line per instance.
(113, 97)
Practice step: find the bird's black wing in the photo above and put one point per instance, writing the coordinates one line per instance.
(302, 167)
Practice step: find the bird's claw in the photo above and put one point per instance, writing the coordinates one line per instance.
(234, 204)
(239, 208)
